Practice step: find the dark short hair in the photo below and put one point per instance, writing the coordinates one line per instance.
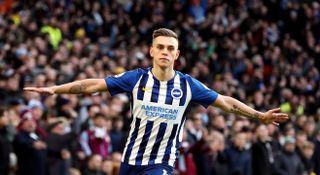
(100, 115)
(164, 32)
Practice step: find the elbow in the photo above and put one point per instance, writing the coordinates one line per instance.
(223, 103)
(226, 109)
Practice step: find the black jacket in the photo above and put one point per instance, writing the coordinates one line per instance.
(262, 158)
(288, 163)
(5, 149)
(30, 160)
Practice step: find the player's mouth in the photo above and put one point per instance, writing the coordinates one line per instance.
(164, 59)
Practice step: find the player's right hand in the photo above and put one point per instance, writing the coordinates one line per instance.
(42, 90)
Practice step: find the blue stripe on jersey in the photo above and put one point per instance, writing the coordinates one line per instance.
(170, 85)
(155, 91)
(167, 152)
(132, 140)
(183, 84)
(144, 142)
(142, 85)
(155, 148)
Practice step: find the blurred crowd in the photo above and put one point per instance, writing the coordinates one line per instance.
(264, 53)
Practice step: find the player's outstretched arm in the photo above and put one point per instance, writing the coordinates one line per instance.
(86, 86)
(232, 105)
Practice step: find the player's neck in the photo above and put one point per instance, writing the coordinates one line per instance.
(163, 74)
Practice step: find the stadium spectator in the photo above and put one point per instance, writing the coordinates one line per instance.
(29, 148)
(261, 152)
(207, 154)
(308, 164)
(59, 144)
(88, 120)
(116, 160)
(107, 167)
(218, 123)
(196, 132)
(238, 158)
(74, 171)
(117, 135)
(96, 140)
(94, 166)
(288, 162)
(301, 138)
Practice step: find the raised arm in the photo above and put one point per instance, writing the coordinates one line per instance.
(86, 86)
(232, 105)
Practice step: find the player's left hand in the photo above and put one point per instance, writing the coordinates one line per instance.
(273, 116)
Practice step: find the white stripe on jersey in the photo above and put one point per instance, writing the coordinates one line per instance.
(162, 92)
(150, 82)
(176, 84)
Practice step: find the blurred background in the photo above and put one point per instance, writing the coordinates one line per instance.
(264, 53)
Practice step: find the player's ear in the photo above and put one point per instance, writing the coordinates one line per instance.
(177, 55)
(151, 51)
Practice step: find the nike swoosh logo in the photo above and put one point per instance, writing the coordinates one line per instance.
(146, 89)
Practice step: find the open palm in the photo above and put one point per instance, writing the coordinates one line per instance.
(42, 90)
(274, 116)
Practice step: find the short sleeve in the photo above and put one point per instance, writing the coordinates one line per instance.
(201, 94)
(123, 82)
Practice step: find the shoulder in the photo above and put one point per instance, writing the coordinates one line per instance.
(185, 76)
(142, 70)
(182, 74)
(128, 76)
(193, 82)
(139, 70)
(188, 77)
(134, 72)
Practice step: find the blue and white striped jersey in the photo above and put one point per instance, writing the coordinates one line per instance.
(158, 113)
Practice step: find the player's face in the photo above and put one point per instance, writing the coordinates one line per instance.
(164, 51)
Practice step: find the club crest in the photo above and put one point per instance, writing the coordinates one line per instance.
(176, 93)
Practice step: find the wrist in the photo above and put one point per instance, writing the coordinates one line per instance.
(54, 89)
(264, 118)
(260, 116)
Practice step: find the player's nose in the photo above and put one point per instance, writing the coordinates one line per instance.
(164, 52)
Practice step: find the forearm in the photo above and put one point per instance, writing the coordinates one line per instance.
(86, 86)
(232, 105)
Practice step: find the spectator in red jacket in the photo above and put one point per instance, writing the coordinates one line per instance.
(97, 139)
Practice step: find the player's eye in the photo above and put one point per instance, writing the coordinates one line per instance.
(160, 47)
(170, 48)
